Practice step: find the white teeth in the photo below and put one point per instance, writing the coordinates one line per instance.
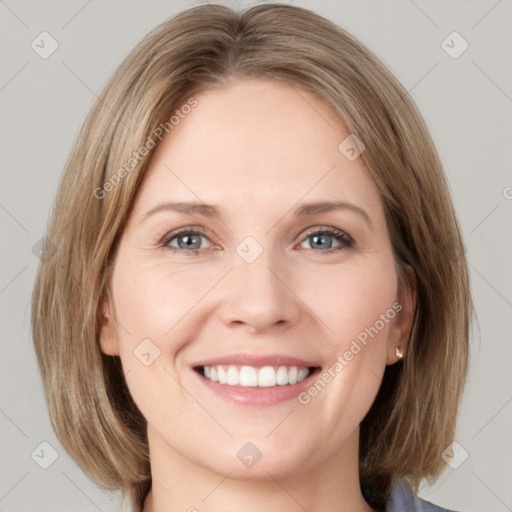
(248, 376)
(282, 376)
(233, 378)
(303, 373)
(264, 377)
(221, 374)
(292, 375)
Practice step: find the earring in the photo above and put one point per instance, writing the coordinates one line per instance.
(398, 353)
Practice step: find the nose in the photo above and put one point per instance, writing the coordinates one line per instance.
(260, 296)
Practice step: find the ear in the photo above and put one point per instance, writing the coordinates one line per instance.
(108, 336)
(405, 306)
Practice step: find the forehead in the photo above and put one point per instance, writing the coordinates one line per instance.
(256, 143)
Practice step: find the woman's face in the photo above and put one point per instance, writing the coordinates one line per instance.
(276, 286)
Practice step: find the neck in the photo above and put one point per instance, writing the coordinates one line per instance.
(180, 484)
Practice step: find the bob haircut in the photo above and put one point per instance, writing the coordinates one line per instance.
(413, 417)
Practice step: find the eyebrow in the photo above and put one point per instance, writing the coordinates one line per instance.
(303, 210)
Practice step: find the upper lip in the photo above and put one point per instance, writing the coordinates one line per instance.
(256, 360)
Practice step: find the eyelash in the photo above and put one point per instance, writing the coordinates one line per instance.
(346, 241)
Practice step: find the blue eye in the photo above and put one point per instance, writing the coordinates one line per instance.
(322, 239)
(190, 241)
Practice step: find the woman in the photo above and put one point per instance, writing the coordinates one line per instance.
(259, 296)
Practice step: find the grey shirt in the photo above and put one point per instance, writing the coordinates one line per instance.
(402, 500)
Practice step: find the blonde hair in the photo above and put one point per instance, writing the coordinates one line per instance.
(413, 417)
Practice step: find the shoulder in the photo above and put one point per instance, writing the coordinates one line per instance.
(402, 500)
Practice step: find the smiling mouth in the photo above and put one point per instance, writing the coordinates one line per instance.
(256, 377)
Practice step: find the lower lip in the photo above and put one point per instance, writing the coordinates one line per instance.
(256, 395)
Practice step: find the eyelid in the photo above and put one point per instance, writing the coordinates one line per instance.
(319, 228)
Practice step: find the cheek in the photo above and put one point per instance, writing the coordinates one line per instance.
(352, 300)
(151, 301)
(151, 307)
(359, 315)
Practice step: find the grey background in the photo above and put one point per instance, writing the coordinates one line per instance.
(467, 103)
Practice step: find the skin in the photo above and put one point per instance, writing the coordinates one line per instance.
(255, 149)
